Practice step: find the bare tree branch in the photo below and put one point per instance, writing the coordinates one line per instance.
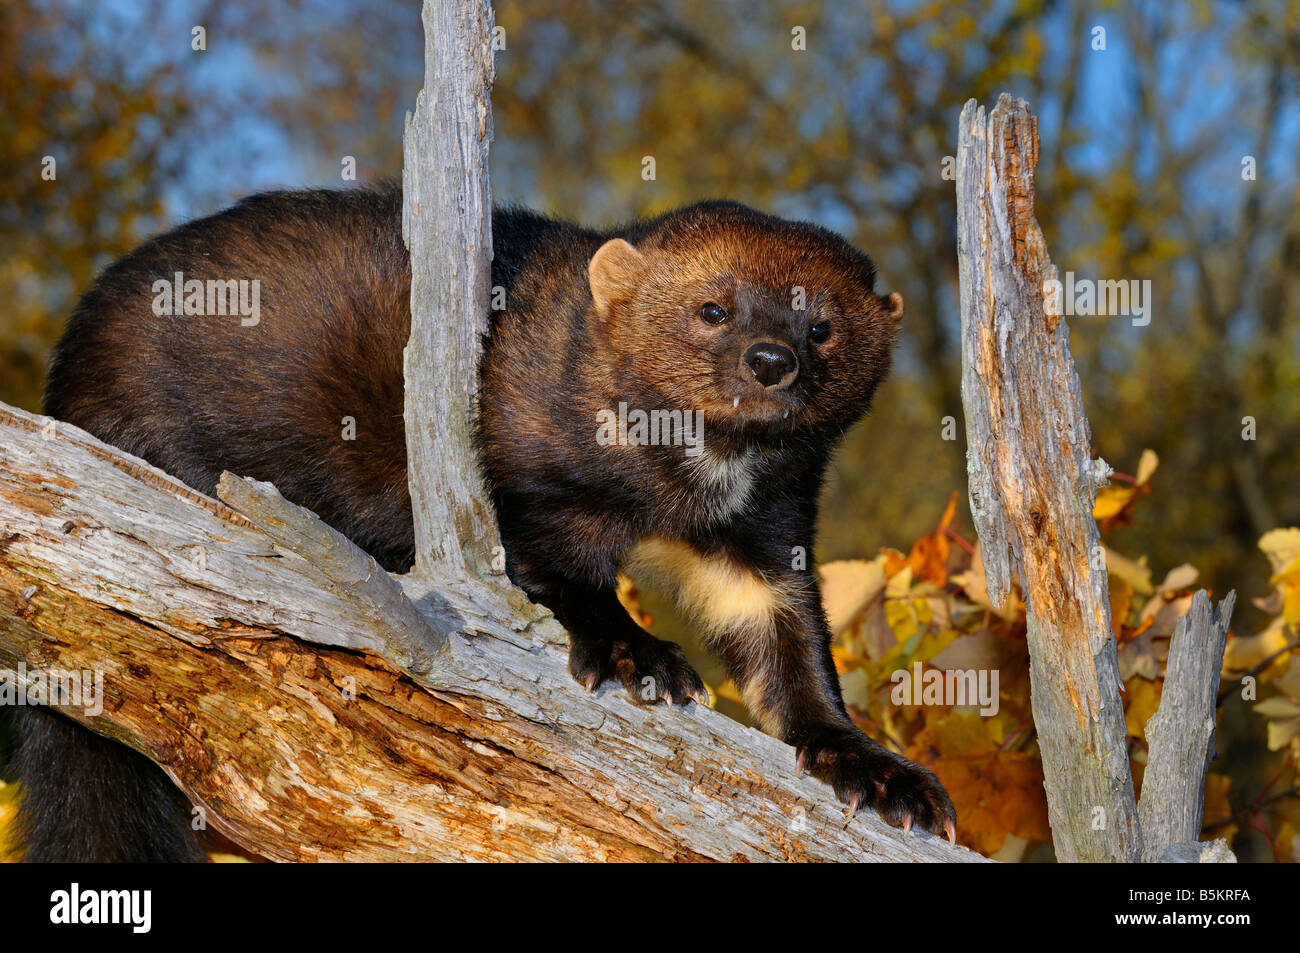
(1180, 734)
(447, 223)
(1032, 485)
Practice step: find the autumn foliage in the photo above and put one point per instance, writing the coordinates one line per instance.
(929, 606)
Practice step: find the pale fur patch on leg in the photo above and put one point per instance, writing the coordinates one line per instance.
(732, 605)
(724, 598)
(754, 693)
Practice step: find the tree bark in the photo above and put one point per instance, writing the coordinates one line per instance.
(1032, 488)
(317, 708)
(1180, 735)
(447, 224)
(1032, 485)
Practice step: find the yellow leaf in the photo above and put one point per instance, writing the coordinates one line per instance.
(1141, 701)
(1282, 547)
(1289, 683)
(1181, 577)
(1245, 652)
(848, 587)
(976, 651)
(901, 619)
(1136, 574)
(1278, 707)
(933, 643)
(1280, 733)
(1146, 467)
(1291, 603)
(899, 583)
(1111, 501)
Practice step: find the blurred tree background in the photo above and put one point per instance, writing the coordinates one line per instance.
(1170, 135)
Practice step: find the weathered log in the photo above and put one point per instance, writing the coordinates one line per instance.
(1180, 735)
(250, 650)
(407, 638)
(1032, 484)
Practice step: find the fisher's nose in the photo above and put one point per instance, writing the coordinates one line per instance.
(773, 365)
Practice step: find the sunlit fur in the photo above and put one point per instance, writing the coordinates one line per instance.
(727, 599)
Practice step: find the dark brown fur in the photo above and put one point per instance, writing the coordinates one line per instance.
(198, 395)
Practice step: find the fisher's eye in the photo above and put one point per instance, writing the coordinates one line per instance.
(819, 332)
(713, 313)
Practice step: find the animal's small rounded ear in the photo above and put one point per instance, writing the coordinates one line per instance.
(614, 272)
(893, 304)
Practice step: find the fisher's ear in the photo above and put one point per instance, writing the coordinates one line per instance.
(614, 273)
(893, 307)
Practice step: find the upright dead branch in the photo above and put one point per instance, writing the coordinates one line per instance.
(447, 223)
(1180, 735)
(1032, 484)
(1032, 488)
